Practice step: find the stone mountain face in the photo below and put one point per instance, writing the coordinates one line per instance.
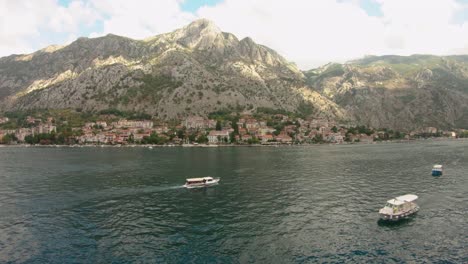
(194, 70)
(199, 69)
(398, 92)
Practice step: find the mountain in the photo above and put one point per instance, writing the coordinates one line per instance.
(400, 92)
(197, 69)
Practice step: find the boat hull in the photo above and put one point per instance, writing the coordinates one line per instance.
(400, 216)
(201, 185)
(436, 172)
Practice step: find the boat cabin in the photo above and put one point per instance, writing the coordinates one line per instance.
(437, 170)
(199, 180)
(400, 206)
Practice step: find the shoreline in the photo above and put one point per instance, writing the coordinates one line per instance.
(227, 145)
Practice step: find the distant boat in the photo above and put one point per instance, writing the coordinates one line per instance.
(399, 208)
(200, 182)
(437, 170)
(150, 147)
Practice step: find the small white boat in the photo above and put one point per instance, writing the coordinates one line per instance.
(399, 208)
(200, 182)
(437, 170)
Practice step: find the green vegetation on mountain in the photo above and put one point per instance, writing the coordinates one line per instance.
(401, 92)
(198, 70)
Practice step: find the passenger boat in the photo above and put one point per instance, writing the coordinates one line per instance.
(437, 170)
(200, 182)
(399, 208)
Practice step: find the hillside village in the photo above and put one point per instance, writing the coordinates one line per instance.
(227, 128)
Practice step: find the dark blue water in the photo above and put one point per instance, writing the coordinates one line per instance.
(273, 205)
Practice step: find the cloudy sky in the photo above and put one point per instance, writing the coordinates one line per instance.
(307, 32)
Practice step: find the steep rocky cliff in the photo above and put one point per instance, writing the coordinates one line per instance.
(197, 69)
(398, 92)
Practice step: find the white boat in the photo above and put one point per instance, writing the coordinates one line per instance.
(437, 170)
(399, 208)
(200, 182)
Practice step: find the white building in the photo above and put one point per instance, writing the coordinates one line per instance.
(218, 136)
(91, 138)
(133, 123)
(196, 122)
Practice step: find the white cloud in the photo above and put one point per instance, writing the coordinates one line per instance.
(141, 19)
(423, 26)
(25, 23)
(314, 32)
(307, 32)
(71, 18)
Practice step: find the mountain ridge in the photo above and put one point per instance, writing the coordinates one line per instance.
(199, 69)
(398, 91)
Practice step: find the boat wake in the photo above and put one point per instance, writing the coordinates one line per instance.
(145, 190)
(176, 187)
(161, 188)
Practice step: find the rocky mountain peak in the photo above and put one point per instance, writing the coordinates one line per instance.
(248, 41)
(199, 34)
(199, 69)
(52, 48)
(203, 25)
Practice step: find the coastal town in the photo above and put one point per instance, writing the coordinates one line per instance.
(232, 128)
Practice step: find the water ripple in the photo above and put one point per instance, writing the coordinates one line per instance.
(274, 205)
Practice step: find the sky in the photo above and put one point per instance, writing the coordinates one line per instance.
(307, 32)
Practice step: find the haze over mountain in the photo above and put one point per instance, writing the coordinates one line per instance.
(199, 69)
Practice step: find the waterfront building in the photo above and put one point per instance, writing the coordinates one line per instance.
(218, 136)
